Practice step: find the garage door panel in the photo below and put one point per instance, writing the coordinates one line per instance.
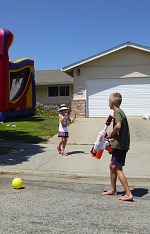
(135, 93)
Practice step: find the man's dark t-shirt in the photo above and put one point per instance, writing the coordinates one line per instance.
(122, 139)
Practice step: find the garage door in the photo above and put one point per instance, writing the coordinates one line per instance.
(135, 93)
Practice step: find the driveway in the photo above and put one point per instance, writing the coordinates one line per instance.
(85, 130)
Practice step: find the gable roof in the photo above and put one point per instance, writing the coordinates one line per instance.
(52, 77)
(116, 48)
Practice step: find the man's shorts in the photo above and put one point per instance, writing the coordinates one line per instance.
(118, 157)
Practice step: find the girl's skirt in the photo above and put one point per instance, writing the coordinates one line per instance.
(63, 134)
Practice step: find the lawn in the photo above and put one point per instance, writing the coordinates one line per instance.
(31, 130)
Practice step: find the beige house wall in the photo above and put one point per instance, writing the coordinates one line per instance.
(42, 96)
(127, 62)
(124, 63)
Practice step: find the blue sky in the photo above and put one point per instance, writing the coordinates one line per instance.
(56, 33)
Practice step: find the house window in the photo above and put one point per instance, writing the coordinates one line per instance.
(52, 91)
(56, 91)
(64, 91)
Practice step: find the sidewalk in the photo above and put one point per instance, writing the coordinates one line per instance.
(44, 160)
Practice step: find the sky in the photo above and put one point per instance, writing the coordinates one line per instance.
(57, 33)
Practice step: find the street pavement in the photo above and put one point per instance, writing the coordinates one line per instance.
(61, 194)
(58, 207)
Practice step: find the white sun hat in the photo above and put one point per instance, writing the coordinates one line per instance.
(63, 108)
(62, 105)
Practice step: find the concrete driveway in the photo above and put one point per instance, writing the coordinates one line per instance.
(85, 130)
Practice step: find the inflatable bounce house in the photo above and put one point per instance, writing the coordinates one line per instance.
(17, 83)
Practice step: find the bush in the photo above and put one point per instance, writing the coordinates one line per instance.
(46, 110)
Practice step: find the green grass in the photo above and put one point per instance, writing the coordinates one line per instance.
(30, 130)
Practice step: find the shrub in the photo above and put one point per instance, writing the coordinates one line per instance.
(46, 110)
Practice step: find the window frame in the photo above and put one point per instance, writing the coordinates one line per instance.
(58, 87)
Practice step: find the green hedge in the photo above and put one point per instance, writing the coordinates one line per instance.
(46, 110)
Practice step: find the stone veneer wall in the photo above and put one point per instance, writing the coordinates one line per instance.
(79, 107)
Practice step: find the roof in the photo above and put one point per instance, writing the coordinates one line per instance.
(50, 77)
(89, 59)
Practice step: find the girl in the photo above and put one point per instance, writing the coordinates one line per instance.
(63, 129)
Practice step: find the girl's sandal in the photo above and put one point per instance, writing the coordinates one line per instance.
(59, 150)
(64, 154)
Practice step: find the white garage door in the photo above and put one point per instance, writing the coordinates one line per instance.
(135, 93)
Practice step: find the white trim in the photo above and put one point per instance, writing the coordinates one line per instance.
(105, 53)
(93, 58)
(54, 83)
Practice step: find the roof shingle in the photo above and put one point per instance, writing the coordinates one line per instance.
(47, 77)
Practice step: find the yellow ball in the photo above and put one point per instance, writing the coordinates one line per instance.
(17, 183)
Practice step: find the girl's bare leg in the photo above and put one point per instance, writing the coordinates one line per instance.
(60, 143)
(64, 142)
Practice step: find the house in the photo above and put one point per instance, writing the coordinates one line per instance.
(124, 68)
(53, 87)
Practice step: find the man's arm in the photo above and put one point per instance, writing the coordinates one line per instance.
(115, 131)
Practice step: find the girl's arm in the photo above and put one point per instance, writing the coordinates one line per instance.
(61, 118)
(73, 118)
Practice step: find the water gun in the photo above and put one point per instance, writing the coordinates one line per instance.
(101, 142)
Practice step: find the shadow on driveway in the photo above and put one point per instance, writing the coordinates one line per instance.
(17, 153)
(76, 152)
